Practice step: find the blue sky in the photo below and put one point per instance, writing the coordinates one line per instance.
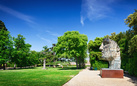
(42, 21)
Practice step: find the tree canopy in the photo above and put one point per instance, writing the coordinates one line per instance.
(72, 44)
(6, 46)
(95, 54)
(21, 51)
(131, 21)
(2, 26)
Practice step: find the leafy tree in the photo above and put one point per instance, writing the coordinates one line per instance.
(21, 51)
(47, 55)
(113, 36)
(131, 21)
(133, 45)
(5, 46)
(33, 58)
(132, 69)
(43, 55)
(53, 54)
(95, 54)
(120, 36)
(127, 42)
(2, 26)
(94, 45)
(72, 44)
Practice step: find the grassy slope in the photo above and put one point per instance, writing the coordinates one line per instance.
(37, 76)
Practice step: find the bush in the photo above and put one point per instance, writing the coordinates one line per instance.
(10, 64)
(96, 61)
(99, 64)
(132, 69)
(58, 62)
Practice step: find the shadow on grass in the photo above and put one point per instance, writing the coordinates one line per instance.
(18, 68)
(70, 68)
(132, 79)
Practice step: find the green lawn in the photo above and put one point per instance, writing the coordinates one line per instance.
(37, 76)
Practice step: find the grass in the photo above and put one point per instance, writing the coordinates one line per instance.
(37, 76)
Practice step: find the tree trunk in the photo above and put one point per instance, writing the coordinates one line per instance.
(44, 63)
(15, 66)
(83, 63)
(77, 62)
(4, 67)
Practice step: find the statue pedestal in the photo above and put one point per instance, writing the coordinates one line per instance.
(111, 73)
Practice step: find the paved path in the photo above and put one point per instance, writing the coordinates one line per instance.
(92, 78)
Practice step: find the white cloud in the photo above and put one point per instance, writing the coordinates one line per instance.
(49, 41)
(95, 9)
(16, 14)
(52, 33)
(82, 21)
(48, 31)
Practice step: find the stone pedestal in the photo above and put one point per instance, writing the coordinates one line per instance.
(111, 73)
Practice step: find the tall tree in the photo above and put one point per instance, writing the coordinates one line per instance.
(2, 26)
(43, 56)
(72, 44)
(33, 58)
(52, 54)
(21, 51)
(131, 21)
(133, 53)
(113, 36)
(95, 54)
(6, 44)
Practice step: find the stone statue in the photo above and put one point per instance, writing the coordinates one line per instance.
(111, 53)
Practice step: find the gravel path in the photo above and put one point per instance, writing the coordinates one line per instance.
(92, 78)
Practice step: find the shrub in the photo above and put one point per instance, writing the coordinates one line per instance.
(96, 61)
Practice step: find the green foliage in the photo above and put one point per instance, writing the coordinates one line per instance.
(133, 45)
(113, 36)
(133, 54)
(99, 64)
(45, 48)
(2, 26)
(58, 62)
(6, 46)
(21, 51)
(131, 21)
(49, 54)
(95, 54)
(72, 44)
(127, 42)
(94, 45)
(10, 64)
(96, 61)
(33, 58)
(132, 69)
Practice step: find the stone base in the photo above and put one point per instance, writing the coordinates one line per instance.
(111, 73)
